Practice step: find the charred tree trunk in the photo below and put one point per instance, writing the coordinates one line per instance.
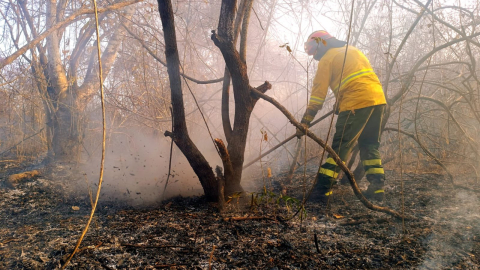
(244, 102)
(180, 133)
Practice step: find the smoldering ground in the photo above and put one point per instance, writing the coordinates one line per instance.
(136, 169)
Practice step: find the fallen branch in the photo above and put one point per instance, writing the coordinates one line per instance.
(248, 218)
(334, 155)
(152, 246)
(316, 242)
(210, 260)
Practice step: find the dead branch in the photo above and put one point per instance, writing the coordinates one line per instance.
(168, 265)
(210, 260)
(152, 246)
(248, 218)
(447, 110)
(335, 157)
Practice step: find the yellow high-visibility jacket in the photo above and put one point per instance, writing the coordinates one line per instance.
(360, 85)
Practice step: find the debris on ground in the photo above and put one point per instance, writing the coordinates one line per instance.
(41, 220)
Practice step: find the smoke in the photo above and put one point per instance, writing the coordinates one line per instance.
(455, 229)
(136, 169)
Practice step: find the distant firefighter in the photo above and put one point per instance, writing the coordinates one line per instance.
(360, 106)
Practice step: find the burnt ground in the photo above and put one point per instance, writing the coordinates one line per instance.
(39, 228)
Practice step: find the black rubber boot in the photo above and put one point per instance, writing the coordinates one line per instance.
(374, 193)
(322, 190)
(375, 190)
(320, 196)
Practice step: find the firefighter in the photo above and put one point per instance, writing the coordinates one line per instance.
(360, 106)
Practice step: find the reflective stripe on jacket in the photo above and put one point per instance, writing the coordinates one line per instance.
(360, 87)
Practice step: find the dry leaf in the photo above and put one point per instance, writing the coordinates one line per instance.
(75, 208)
(288, 49)
(269, 172)
(265, 136)
(338, 216)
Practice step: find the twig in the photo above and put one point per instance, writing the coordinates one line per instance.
(170, 158)
(316, 242)
(106, 266)
(293, 165)
(260, 22)
(153, 246)
(89, 247)
(210, 260)
(248, 218)
(350, 223)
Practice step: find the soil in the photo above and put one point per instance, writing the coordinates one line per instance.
(42, 218)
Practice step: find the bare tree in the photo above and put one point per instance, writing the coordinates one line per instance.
(233, 155)
(64, 88)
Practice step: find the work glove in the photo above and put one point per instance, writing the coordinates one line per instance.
(308, 116)
(300, 132)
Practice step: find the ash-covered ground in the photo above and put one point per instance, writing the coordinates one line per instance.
(42, 218)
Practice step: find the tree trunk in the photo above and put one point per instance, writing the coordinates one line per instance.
(67, 131)
(180, 133)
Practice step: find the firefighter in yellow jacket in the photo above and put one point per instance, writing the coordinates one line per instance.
(360, 106)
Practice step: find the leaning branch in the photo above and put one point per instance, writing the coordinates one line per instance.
(332, 153)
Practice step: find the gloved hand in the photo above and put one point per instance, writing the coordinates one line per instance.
(299, 132)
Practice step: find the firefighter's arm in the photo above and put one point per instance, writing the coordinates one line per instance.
(319, 92)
